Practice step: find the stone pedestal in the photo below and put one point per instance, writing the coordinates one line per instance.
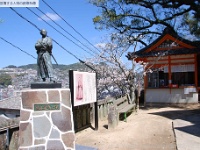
(113, 117)
(45, 85)
(46, 120)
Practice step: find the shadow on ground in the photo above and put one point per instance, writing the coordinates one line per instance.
(191, 116)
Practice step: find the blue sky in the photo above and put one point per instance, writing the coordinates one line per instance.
(78, 13)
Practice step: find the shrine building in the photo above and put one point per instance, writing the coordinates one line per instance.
(172, 69)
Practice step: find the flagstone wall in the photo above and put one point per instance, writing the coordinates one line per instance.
(46, 120)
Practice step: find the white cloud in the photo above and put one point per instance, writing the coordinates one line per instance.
(100, 45)
(54, 17)
(106, 45)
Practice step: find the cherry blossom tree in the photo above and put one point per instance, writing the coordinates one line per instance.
(116, 74)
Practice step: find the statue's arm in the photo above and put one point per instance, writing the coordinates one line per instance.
(50, 45)
(38, 46)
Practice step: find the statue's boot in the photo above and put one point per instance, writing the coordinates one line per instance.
(52, 80)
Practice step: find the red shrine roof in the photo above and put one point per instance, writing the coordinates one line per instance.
(169, 43)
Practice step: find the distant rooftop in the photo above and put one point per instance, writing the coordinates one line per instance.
(11, 103)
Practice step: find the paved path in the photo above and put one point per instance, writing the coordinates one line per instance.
(149, 129)
(187, 132)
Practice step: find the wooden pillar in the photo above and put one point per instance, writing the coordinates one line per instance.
(169, 73)
(145, 82)
(145, 85)
(195, 71)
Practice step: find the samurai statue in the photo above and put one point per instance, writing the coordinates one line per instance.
(44, 50)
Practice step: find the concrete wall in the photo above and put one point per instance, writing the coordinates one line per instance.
(170, 96)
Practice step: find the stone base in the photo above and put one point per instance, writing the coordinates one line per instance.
(45, 85)
(46, 120)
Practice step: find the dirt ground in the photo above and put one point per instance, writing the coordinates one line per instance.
(148, 129)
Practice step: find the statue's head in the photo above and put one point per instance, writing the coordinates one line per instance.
(43, 32)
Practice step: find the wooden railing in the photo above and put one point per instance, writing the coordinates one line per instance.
(103, 107)
(9, 137)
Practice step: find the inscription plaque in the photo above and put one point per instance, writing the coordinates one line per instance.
(46, 107)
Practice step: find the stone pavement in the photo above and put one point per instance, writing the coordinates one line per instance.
(187, 132)
(81, 147)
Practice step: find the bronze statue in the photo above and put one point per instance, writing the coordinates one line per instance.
(44, 50)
